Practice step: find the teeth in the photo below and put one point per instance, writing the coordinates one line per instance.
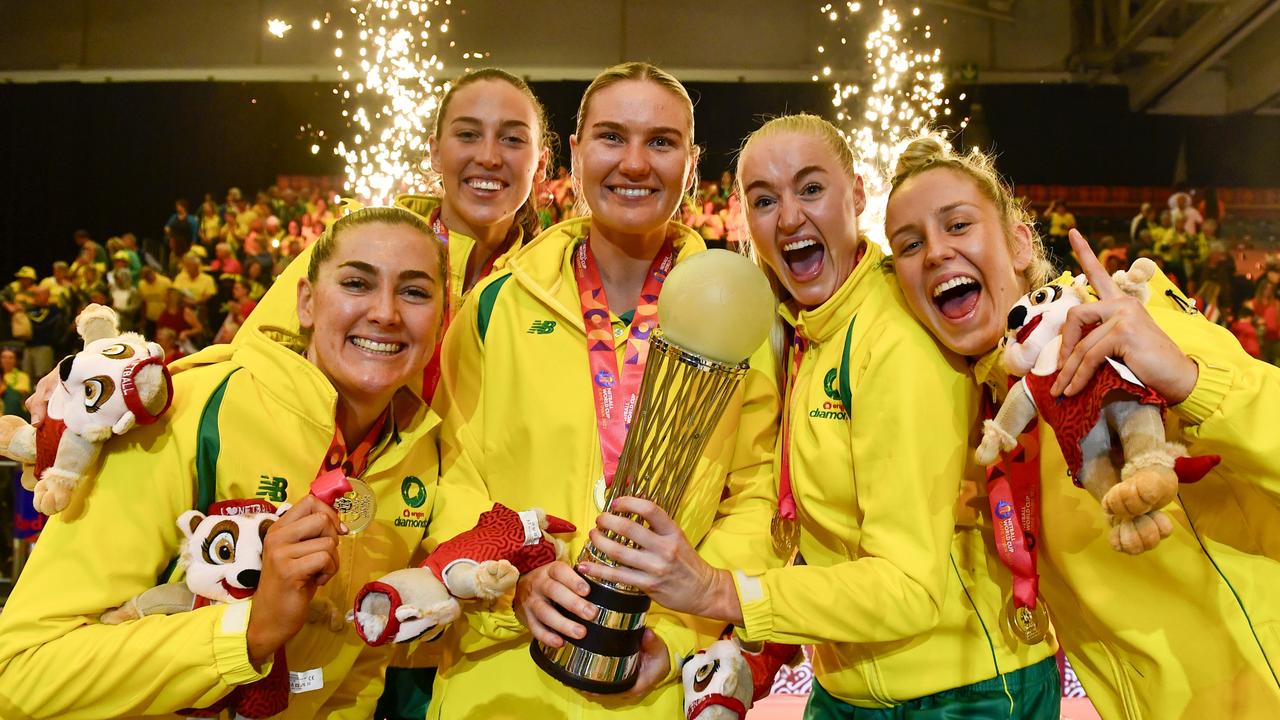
(633, 192)
(799, 244)
(378, 347)
(485, 184)
(953, 283)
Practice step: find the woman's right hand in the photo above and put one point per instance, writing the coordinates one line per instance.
(537, 594)
(38, 402)
(299, 554)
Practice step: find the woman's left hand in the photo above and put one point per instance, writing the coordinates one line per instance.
(663, 564)
(1125, 332)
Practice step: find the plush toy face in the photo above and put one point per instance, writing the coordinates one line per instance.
(1036, 319)
(223, 553)
(714, 674)
(98, 382)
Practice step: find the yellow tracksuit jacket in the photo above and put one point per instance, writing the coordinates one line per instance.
(901, 594)
(520, 429)
(1187, 629)
(267, 440)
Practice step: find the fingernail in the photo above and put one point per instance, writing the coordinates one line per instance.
(342, 527)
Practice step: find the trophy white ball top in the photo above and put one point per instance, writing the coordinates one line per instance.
(717, 304)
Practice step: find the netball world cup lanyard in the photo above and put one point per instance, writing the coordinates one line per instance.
(615, 392)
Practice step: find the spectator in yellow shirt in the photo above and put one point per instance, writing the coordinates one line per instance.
(195, 285)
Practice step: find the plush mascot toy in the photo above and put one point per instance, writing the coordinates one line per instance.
(117, 381)
(723, 681)
(482, 563)
(222, 553)
(1114, 411)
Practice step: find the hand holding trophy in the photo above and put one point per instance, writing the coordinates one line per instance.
(714, 310)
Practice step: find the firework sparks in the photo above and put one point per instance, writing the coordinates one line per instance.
(390, 94)
(278, 27)
(886, 96)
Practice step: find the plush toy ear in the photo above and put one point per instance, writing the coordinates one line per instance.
(189, 521)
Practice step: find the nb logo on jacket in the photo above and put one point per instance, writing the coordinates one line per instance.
(542, 327)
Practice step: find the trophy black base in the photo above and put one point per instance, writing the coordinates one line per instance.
(606, 660)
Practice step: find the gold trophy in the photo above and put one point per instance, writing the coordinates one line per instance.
(715, 309)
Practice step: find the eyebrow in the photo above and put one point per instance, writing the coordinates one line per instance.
(808, 169)
(940, 211)
(365, 267)
(607, 125)
(478, 121)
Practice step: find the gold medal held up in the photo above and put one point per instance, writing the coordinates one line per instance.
(1028, 625)
(358, 506)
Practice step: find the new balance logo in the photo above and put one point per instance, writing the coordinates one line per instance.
(542, 327)
(273, 488)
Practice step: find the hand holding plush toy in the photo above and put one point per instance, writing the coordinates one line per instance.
(481, 563)
(116, 382)
(1114, 407)
(222, 554)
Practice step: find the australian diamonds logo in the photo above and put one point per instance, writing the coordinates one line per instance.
(832, 408)
(414, 493)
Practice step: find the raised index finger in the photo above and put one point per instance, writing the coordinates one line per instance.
(1093, 269)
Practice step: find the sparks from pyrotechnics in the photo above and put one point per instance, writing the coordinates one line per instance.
(901, 96)
(278, 27)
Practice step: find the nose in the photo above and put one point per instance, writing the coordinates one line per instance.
(937, 250)
(1017, 317)
(635, 164)
(489, 155)
(790, 215)
(248, 578)
(383, 309)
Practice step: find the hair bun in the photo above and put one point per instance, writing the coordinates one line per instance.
(920, 153)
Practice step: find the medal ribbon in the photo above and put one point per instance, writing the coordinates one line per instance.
(431, 373)
(786, 500)
(1013, 489)
(615, 393)
(338, 465)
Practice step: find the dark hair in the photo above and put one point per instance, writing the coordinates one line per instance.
(324, 247)
(527, 215)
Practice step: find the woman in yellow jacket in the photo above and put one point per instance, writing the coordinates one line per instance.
(371, 307)
(520, 423)
(898, 592)
(490, 144)
(1189, 629)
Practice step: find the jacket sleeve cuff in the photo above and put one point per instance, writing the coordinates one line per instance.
(757, 608)
(682, 642)
(1206, 397)
(231, 646)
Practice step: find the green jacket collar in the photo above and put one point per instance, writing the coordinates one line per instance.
(544, 267)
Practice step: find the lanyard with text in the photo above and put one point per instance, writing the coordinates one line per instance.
(785, 530)
(1013, 489)
(615, 392)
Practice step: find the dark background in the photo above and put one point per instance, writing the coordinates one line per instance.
(112, 157)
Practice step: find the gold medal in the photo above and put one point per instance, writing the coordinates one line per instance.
(1028, 625)
(786, 535)
(357, 507)
(600, 491)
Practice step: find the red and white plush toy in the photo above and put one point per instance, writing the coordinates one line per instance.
(723, 681)
(482, 563)
(1114, 411)
(118, 381)
(222, 554)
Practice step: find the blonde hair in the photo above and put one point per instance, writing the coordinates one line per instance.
(931, 150)
(802, 124)
(621, 73)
